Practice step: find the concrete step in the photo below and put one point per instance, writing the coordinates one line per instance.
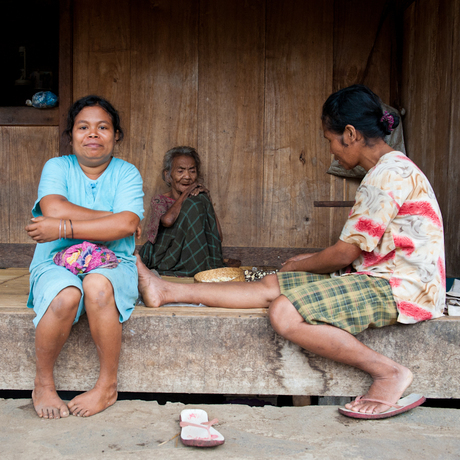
(213, 350)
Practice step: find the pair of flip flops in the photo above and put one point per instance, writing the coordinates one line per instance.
(403, 405)
(197, 430)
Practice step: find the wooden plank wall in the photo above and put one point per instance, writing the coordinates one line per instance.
(23, 153)
(242, 81)
(431, 97)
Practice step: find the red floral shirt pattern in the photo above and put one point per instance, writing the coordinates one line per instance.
(397, 223)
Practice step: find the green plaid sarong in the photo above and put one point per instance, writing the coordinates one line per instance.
(191, 245)
(351, 302)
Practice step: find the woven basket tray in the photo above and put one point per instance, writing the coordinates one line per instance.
(219, 275)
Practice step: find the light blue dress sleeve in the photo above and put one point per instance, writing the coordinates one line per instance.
(52, 182)
(129, 194)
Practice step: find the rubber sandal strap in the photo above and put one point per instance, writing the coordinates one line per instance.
(205, 425)
(361, 399)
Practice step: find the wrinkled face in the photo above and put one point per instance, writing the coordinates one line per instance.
(183, 173)
(343, 153)
(93, 136)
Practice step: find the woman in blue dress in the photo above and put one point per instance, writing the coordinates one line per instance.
(88, 196)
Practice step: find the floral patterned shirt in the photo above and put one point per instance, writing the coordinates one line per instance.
(397, 223)
(159, 206)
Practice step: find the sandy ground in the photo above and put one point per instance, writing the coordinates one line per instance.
(146, 430)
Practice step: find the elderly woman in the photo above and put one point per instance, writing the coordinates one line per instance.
(184, 235)
(393, 238)
(88, 208)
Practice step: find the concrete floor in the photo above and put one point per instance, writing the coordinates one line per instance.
(146, 430)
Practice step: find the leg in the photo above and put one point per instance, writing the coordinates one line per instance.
(156, 292)
(51, 334)
(390, 378)
(103, 318)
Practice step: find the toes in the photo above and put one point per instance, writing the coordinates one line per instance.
(79, 411)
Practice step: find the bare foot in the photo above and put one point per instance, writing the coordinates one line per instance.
(47, 403)
(93, 401)
(150, 286)
(388, 388)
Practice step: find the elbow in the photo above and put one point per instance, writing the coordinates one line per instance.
(130, 224)
(167, 222)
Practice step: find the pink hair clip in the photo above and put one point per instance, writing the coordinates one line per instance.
(389, 119)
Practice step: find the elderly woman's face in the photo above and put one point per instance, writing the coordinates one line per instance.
(183, 173)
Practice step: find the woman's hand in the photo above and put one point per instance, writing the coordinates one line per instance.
(45, 229)
(195, 189)
(138, 233)
(288, 264)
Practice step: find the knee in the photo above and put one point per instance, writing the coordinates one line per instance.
(282, 318)
(98, 291)
(65, 304)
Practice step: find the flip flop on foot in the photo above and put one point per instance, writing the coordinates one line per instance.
(197, 431)
(403, 405)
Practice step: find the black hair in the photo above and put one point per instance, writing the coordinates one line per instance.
(91, 101)
(358, 106)
(175, 152)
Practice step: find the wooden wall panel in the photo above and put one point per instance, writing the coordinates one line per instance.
(363, 53)
(296, 156)
(452, 200)
(101, 59)
(27, 150)
(431, 98)
(244, 82)
(164, 78)
(5, 154)
(230, 107)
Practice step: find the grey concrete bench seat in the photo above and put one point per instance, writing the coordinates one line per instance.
(214, 350)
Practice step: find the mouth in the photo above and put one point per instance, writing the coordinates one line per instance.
(93, 145)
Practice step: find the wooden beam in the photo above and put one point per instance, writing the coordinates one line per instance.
(28, 116)
(20, 255)
(65, 68)
(16, 255)
(333, 204)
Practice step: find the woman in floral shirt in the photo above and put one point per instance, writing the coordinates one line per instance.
(387, 266)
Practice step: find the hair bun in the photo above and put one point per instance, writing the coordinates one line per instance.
(390, 121)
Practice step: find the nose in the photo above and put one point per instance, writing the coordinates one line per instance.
(93, 132)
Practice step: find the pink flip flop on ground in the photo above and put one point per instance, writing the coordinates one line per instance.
(197, 430)
(403, 405)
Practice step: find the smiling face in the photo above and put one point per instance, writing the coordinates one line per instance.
(93, 137)
(183, 174)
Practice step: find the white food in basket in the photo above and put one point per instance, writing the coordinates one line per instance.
(222, 278)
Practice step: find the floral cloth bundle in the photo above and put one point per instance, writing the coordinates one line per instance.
(84, 257)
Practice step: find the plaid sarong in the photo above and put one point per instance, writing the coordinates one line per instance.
(351, 302)
(191, 245)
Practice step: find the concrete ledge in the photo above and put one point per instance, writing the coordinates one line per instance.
(211, 350)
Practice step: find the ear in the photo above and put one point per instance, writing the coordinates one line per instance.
(350, 134)
(117, 136)
(166, 177)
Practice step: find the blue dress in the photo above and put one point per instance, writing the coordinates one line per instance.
(118, 189)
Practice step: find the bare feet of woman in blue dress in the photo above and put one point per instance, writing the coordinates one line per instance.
(93, 401)
(47, 403)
